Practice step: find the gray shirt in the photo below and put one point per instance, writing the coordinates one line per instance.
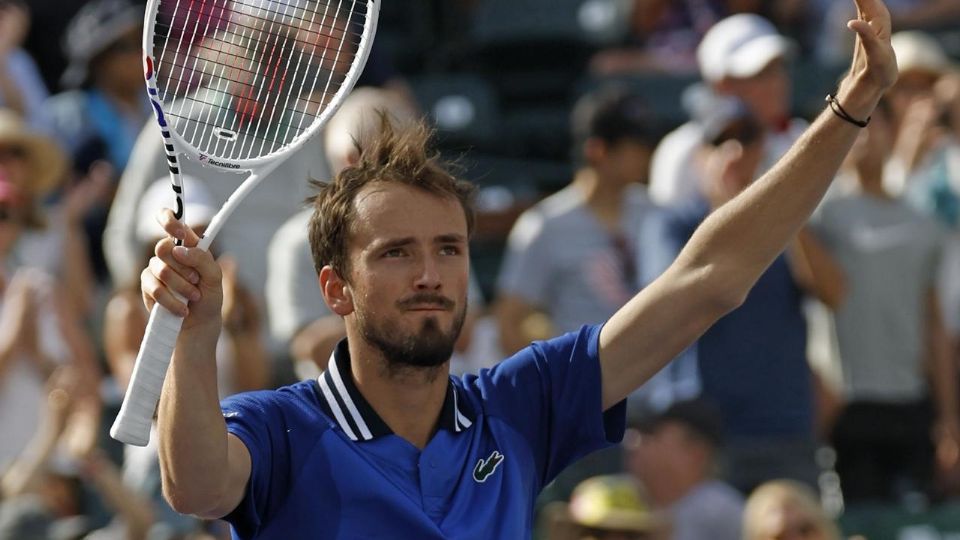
(711, 510)
(890, 255)
(561, 259)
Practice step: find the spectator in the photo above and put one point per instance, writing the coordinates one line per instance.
(42, 491)
(605, 508)
(890, 334)
(105, 105)
(663, 37)
(106, 101)
(37, 330)
(768, 411)
(570, 258)
(782, 509)
(926, 156)
(675, 456)
(21, 87)
(742, 56)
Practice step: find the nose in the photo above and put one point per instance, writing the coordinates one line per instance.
(428, 276)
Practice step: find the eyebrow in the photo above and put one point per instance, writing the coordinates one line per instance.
(451, 238)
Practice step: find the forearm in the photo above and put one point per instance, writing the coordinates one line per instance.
(24, 471)
(135, 510)
(193, 434)
(742, 238)
(815, 271)
(943, 370)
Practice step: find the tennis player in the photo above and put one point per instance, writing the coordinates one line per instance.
(385, 444)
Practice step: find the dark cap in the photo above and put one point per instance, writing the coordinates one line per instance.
(97, 26)
(697, 415)
(613, 114)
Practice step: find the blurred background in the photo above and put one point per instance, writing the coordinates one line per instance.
(600, 134)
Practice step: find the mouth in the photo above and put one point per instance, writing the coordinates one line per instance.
(428, 309)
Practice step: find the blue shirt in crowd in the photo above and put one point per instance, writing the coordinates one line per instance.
(325, 465)
(752, 362)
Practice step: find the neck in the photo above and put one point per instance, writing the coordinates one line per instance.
(603, 197)
(408, 400)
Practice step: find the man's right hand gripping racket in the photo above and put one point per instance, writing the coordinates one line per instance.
(238, 85)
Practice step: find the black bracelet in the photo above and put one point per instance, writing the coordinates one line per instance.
(839, 111)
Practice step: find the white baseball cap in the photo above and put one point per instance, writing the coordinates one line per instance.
(198, 206)
(740, 46)
(919, 51)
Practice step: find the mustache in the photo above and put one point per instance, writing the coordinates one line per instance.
(426, 299)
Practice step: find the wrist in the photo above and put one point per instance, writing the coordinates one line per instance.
(858, 96)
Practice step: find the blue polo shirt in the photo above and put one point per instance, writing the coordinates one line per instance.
(324, 465)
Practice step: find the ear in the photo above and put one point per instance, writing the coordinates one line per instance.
(594, 150)
(336, 292)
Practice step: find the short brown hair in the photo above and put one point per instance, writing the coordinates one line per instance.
(393, 155)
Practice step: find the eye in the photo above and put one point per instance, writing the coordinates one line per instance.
(394, 252)
(450, 250)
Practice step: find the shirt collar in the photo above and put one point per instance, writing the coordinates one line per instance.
(343, 402)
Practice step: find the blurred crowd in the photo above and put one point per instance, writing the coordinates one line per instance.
(833, 387)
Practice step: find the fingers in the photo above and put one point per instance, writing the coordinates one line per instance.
(176, 229)
(178, 274)
(873, 10)
(155, 291)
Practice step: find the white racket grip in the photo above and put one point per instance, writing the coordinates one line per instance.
(133, 423)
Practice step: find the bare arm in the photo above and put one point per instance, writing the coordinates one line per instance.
(520, 323)
(204, 470)
(815, 271)
(735, 244)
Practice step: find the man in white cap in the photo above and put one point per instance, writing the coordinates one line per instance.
(743, 56)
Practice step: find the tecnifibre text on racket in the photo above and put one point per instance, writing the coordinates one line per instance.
(237, 85)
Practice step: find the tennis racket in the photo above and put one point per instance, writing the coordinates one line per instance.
(238, 85)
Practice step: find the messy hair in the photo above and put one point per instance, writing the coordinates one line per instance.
(393, 154)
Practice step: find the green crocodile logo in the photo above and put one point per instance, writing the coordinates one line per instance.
(486, 467)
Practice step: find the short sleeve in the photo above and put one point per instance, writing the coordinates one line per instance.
(550, 393)
(526, 263)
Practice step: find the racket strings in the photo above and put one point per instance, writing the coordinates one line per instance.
(248, 78)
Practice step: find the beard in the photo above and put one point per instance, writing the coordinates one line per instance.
(428, 347)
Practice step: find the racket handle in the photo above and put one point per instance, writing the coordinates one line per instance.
(135, 419)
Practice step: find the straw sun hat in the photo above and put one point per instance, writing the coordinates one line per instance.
(46, 163)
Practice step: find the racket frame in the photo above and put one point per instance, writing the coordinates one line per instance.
(135, 419)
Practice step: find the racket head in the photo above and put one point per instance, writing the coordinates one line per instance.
(240, 83)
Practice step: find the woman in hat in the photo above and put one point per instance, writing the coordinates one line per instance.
(38, 330)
